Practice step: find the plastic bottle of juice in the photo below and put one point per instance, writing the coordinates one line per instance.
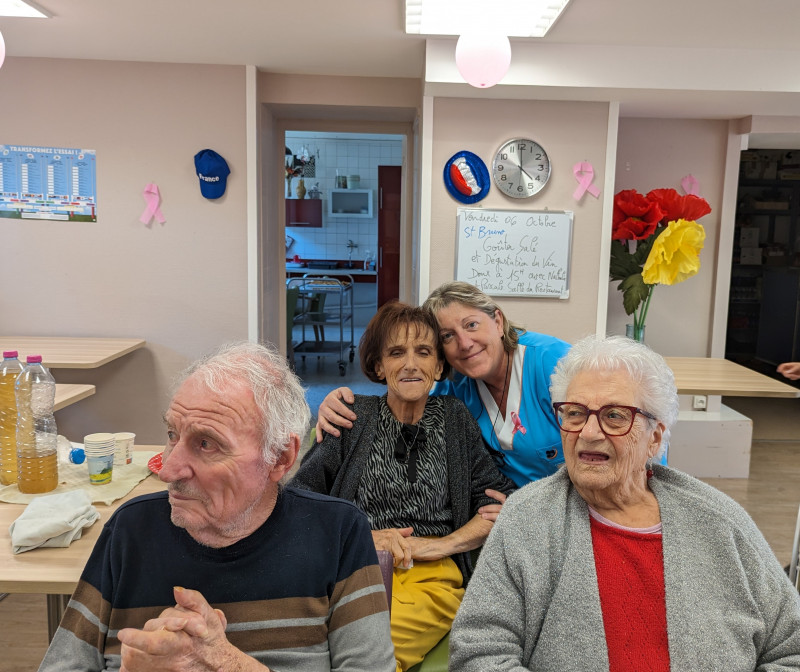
(10, 368)
(37, 437)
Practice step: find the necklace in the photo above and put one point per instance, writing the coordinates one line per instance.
(505, 383)
(408, 456)
(403, 430)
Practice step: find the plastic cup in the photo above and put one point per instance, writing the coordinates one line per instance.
(123, 452)
(101, 468)
(99, 444)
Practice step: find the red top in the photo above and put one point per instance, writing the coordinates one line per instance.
(630, 578)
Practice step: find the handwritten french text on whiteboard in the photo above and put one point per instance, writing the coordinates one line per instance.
(515, 252)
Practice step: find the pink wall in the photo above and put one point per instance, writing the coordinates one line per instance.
(656, 153)
(570, 132)
(182, 286)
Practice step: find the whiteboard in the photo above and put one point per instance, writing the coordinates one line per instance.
(515, 252)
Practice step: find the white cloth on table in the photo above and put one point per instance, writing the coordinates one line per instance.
(53, 520)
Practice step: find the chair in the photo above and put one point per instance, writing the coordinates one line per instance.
(794, 575)
(386, 561)
(437, 659)
(314, 308)
(317, 306)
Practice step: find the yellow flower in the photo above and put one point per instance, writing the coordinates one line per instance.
(675, 255)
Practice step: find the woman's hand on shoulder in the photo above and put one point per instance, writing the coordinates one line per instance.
(333, 413)
(397, 541)
(491, 511)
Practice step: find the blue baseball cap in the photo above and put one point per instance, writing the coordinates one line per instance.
(213, 172)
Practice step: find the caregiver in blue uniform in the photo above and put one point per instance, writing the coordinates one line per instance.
(502, 376)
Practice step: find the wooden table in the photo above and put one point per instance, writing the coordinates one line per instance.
(56, 571)
(69, 393)
(71, 353)
(716, 442)
(703, 375)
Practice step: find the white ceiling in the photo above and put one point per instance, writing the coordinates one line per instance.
(366, 38)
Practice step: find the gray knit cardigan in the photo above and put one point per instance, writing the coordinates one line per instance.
(334, 466)
(533, 603)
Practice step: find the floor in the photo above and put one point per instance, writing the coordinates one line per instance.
(320, 375)
(771, 495)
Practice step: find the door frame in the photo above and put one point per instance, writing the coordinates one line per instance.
(276, 121)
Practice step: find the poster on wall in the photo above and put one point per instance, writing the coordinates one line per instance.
(48, 183)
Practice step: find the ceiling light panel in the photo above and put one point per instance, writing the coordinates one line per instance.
(514, 18)
(20, 8)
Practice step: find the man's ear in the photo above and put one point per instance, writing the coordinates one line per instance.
(287, 459)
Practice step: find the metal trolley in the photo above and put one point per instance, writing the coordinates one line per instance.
(310, 287)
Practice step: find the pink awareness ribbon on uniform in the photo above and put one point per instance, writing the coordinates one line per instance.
(152, 198)
(584, 173)
(690, 185)
(517, 424)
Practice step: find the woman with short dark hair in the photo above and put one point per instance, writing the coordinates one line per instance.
(417, 466)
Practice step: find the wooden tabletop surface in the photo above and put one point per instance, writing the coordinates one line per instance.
(706, 375)
(62, 352)
(69, 393)
(57, 570)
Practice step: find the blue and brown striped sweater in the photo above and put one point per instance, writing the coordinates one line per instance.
(303, 592)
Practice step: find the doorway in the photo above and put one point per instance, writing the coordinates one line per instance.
(340, 172)
(764, 304)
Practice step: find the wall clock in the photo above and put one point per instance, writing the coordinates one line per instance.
(520, 168)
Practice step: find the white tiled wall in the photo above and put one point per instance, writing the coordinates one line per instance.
(350, 154)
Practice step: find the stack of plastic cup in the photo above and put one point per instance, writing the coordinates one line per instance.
(124, 450)
(99, 449)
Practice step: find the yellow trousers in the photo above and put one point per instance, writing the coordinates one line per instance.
(425, 599)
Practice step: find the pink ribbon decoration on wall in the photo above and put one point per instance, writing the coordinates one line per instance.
(517, 424)
(584, 173)
(690, 185)
(152, 198)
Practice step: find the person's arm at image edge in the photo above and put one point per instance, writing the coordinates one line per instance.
(333, 413)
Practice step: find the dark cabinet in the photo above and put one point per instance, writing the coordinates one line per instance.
(304, 212)
(778, 335)
(766, 251)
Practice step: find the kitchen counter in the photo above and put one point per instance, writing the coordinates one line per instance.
(332, 271)
(359, 274)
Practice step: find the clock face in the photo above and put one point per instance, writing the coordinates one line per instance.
(521, 168)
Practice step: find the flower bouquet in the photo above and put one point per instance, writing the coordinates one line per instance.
(656, 240)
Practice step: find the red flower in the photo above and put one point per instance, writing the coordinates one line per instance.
(635, 216)
(675, 207)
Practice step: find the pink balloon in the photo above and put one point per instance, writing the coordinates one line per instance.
(483, 60)
(2, 50)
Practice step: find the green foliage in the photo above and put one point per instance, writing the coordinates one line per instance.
(634, 291)
(626, 266)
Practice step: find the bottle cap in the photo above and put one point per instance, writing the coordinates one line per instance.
(77, 456)
(10, 353)
(34, 359)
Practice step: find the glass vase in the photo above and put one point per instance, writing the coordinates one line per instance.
(636, 333)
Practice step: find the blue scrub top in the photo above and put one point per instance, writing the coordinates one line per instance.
(536, 453)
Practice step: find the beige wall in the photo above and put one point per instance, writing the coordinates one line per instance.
(569, 132)
(182, 285)
(657, 153)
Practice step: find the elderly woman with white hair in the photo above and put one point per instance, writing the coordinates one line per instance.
(616, 563)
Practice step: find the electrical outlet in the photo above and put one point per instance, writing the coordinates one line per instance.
(699, 402)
